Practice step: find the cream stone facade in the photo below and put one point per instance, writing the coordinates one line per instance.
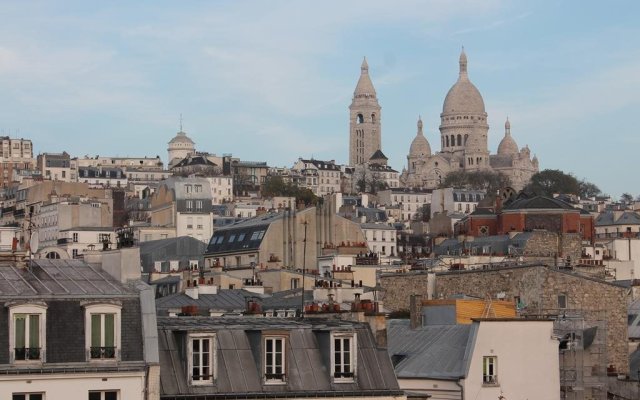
(179, 148)
(364, 120)
(463, 140)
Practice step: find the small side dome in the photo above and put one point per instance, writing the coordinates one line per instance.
(420, 145)
(507, 146)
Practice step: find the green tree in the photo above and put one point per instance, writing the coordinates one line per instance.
(489, 181)
(626, 198)
(550, 181)
(588, 189)
(276, 186)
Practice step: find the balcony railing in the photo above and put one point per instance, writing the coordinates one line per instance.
(27, 353)
(490, 380)
(103, 352)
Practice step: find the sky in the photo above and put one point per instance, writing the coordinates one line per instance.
(272, 80)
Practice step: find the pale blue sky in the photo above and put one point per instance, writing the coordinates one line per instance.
(272, 80)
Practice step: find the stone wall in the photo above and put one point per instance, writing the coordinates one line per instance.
(399, 287)
(538, 288)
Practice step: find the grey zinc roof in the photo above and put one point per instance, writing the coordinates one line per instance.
(183, 248)
(626, 218)
(69, 278)
(224, 300)
(437, 351)
(238, 358)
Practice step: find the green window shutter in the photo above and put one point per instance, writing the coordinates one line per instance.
(95, 330)
(34, 331)
(109, 330)
(20, 322)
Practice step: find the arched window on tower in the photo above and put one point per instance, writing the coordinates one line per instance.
(465, 139)
(453, 140)
(359, 119)
(459, 140)
(447, 140)
(373, 118)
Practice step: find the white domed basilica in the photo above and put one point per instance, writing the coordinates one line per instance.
(463, 141)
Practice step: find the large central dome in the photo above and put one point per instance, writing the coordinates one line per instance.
(463, 97)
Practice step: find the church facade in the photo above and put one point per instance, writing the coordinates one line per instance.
(463, 142)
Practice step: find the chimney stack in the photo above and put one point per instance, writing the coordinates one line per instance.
(415, 311)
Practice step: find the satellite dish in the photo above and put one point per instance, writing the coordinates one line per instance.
(34, 242)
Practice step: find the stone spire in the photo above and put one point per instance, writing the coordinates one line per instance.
(463, 64)
(364, 88)
(420, 125)
(507, 127)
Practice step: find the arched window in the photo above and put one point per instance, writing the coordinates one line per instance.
(459, 140)
(447, 141)
(453, 140)
(373, 118)
(359, 119)
(465, 139)
(53, 255)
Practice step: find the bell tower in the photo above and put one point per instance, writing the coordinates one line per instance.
(364, 120)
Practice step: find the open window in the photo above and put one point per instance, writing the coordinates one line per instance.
(274, 359)
(202, 356)
(490, 370)
(343, 356)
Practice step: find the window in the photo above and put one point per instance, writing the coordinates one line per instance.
(562, 300)
(343, 359)
(201, 359)
(103, 395)
(75, 237)
(274, 359)
(189, 205)
(27, 396)
(27, 334)
(490, 370)
(102, 331)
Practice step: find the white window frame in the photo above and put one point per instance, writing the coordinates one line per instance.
(29, 309)
(274, 380)
(102, 393)
(340, 363)
(27, 395)
(212, 357)
(92, 309)
(490, 363)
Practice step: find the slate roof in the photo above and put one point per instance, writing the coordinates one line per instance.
(225, 300)
(626, 218)
(183, 248)
(243, 235)
(59, 278)
(537, 203)
(233, 300)
(325, 165)
(378, 155)
(437, 351)
(194, 159)
(238, 359)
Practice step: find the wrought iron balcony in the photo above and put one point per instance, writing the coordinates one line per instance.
(27, 353)
(103, 352)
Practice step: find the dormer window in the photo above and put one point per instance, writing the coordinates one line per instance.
(102, 332)
(27, 333)
(274, 359)
(343, 351)
(201, 358)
